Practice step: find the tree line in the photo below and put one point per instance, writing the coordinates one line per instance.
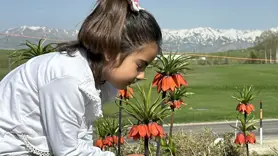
(266, 47)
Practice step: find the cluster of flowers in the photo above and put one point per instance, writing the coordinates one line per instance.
(143, 130)
(109, 141)
(250, 136)
(168, 82)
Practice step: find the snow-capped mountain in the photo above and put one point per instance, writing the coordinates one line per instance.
(201, 39)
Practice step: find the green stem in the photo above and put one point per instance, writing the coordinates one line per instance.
(172, 122)
(159, 139)
(146, 146)
(246, 144)
(120, 129)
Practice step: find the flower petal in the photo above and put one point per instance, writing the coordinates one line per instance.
(251, 138)
(165, 85)
(249, 108)
(115, 139)
(99, 143)
(122, 140)
(240, 139)
(181, 80)
(133, 131)
(241, 107)
(175, 78)
(142, 130)
(172, 84)
(152, 128)
(160, 130)
(157, 79)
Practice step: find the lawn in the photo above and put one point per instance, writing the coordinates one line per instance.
(213, 87)
(4, 62)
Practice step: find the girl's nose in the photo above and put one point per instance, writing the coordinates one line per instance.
(141, 76)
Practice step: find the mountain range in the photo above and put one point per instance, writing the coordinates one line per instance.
(201, 39)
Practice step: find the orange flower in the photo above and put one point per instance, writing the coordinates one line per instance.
(240, 139)
(116, 139)
(99, 143)
(157, 79)
(168, 82)
(122, 140)
(108, 141)
(241, 107)
(180, 80)
(176, 104)
(143, 130)
(249, 108)
(251, 138)
(155, 130)
(124, 93)
(133, 133)
(139, 131)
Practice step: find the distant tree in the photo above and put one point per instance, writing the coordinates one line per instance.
(268, 44)
(253, 57)
(31, 50)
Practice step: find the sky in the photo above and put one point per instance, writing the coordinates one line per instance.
(170, 14)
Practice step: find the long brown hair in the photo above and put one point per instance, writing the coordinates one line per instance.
(112, 29)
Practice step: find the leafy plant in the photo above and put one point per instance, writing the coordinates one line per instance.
(170, 81)
(245, 116)
(246, 94)
(145, 110)
(172, 64)
(106, 130)
(32, 50)
(147, 113)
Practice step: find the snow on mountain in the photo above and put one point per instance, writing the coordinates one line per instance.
(203, 34)
(38, 31)
(200, 39)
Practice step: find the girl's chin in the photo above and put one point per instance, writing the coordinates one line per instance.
(122, 86)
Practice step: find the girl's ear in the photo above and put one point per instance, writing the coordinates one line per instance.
(108, 57)
(111, 61)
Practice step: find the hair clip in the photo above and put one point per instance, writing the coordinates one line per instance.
(134, 5)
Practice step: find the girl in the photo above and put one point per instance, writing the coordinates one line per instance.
(48, 103)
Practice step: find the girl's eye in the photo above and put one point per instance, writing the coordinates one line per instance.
(140, 67)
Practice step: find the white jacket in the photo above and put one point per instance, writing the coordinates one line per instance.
(47, 106)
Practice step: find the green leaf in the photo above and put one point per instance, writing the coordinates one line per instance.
(30, 51)
(149, 94)
(251, 128)
(163, 142)
(245, 94)
(251, 124)
(172, 64)
(155, 106)
(238, 128)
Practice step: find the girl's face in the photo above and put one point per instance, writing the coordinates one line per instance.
(132, 68)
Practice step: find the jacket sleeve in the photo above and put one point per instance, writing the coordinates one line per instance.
(62, 108)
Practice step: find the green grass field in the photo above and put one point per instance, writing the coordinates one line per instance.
(4, 63)
(213, 87)
(235, 53)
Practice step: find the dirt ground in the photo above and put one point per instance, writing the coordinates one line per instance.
(266, 147)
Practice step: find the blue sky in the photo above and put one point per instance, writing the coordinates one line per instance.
(171, 14)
